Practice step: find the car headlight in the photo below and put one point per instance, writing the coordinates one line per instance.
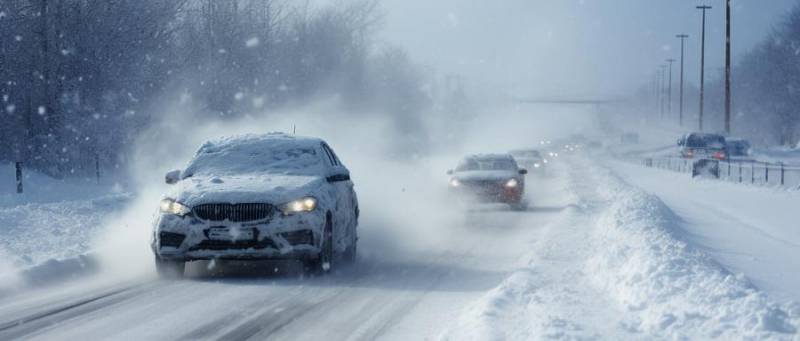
(306, 204)
(512, 183)
(170, 206)
(544, 160)
(455, 183)
(536, 165)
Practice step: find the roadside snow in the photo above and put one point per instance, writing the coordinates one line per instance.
(671, 287)
(618, 266)
(49, 228)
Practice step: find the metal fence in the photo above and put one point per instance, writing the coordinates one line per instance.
(738, 171)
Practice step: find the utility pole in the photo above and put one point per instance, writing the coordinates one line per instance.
(680, 115)
(728, 67)
(669, 88)
(702, 63)
(663, 88)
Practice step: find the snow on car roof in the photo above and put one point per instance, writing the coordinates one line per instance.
(270, 140)
(257, 153)
(490, 156)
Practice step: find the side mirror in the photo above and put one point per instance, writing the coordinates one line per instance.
(449, 172)
(523, 171)
(680, 142)
(343, 176)
(173, 177)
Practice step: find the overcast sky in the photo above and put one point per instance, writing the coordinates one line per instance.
(571, 47)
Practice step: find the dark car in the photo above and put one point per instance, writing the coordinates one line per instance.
(493, 178)
(737, 147)
(703, 146)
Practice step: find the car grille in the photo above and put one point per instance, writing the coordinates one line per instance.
(219, 245)
(484, 183)
(233, 212)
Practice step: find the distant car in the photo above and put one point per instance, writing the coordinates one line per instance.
(490, 178)
(702, 146)
(272, 196)
(737, 147)
(530, 159)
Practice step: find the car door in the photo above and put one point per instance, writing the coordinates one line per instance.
(339, 179)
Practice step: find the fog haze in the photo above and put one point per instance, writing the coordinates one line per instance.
(584, 48)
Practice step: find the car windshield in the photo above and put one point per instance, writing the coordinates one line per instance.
(738, 148)
(705, 141)
(486, 164)
(529, 154)
(250, 158)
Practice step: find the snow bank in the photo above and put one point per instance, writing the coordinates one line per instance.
(670, 288)
(615, 264)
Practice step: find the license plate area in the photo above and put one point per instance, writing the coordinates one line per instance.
(231, 234)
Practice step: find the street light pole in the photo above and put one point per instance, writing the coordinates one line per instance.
(680, 115)
(728, 67)
(669, 88)
(702, 64)
(663, 88)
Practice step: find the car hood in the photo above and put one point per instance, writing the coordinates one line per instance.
(485, 175)
(256, 188)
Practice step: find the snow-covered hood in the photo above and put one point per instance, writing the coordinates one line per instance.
(247, 188)
(485, 175)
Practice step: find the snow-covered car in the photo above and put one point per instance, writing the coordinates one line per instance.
(272, 196)
(702, 146)
(530, 159)
(490, 178)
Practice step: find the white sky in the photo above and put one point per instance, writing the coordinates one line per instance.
(570, 47)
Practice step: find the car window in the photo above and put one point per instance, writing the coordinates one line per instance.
(334, 160)
(486, 164)
(253, 158)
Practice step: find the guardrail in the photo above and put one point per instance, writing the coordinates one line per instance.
(738, 171)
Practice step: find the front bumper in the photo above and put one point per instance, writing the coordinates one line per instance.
(277, 237)
(489, 194)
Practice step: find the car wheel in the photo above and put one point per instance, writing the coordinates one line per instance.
(169, 269)
(324, 262)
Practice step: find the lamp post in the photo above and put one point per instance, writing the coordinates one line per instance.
(669, 88)
(680, 110)
(702, 64)
(728, 67)
(663, 88)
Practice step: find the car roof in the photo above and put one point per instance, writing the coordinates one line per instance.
(270, 140)
(704, 135)
(497, 156)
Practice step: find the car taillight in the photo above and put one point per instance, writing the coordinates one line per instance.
(689, 153)
(719, 155)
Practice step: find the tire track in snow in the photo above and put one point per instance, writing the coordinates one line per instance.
(35, 322)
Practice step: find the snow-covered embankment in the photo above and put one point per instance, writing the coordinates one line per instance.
(619, 266)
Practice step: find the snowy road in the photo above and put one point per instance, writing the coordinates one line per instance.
(594, 257)
(412, 296)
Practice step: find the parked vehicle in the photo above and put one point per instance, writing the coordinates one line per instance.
(530, 159)
(490, 178)
(702, 145)
(271, 196)
(737, 147)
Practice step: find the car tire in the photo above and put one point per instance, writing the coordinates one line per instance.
(169, 269)
(323, 263)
